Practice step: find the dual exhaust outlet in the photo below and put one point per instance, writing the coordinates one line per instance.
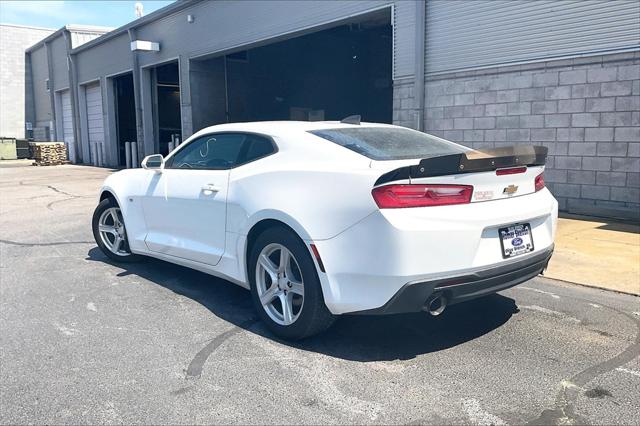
(435, 304)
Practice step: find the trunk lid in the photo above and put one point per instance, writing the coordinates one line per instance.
(494, 174)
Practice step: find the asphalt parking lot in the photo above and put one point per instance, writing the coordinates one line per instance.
(83, 340)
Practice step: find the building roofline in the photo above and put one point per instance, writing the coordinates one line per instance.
(50, 37)
(178, 5)
(6, 24)
(70, 28)
(89, 28)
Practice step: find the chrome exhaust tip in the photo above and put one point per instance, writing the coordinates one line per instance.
(435, 304)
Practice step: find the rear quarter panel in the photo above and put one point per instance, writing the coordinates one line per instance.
(317, 198)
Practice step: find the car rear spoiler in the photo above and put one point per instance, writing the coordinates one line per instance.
(470, 162)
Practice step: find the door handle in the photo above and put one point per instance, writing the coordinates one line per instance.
(210, 188)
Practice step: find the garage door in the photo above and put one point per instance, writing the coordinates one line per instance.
(67, 125)
(94, 117)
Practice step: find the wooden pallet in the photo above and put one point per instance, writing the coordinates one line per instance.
(50, 163)
(49, 153)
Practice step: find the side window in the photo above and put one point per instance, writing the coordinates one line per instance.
(256, 147)
(217, 152)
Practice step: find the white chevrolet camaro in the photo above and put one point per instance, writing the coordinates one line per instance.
(319, 219)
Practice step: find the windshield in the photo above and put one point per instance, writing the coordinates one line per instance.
(387, 143)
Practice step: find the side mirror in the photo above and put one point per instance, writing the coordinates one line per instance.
(153, 162)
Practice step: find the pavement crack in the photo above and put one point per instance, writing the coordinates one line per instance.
(197, 363)
(50, 205)
(564, 412)
(53, 188)
(52, 243)
(59, 191)
(631, 352)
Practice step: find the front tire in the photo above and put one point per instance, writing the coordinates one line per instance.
(110, 233)
(285, 287)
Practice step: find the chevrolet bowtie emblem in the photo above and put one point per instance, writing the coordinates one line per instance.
(511, 189)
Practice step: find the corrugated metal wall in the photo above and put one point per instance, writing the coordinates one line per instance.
(78, 38)
(227, 24)
(59, 62)
(404, 38)
(39, 75)
(468, 34)
(107, 58)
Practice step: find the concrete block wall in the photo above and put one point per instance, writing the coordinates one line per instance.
(14, 39)
(585, 110)
(404, 109)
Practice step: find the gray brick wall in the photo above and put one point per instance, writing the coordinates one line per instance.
(13, 42)
(585, 110)
(404, 113)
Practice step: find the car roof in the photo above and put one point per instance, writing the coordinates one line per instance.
(276, 128)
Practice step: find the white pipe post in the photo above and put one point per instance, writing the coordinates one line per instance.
(134, 155)
(98, 155)
(127, 153)
(103, 162)
(92, 153)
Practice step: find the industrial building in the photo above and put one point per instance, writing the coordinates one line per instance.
(565, 74)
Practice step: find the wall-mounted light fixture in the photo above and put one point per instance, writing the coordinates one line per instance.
(190, 19)
(146, 46)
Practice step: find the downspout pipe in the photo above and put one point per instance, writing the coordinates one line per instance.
(73, 93)
(226, 91)
(137, 97)
(30, 107)
(419, 87)
(50, 76)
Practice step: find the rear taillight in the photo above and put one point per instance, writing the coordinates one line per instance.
(539, 182)
(511, 171)
(403, 196)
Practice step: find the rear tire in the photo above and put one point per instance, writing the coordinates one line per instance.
(285, 287)
(110, 233)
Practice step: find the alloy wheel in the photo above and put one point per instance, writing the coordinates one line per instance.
(279, 284)
(112, 231)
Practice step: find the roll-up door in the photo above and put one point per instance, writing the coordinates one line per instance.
(95, 121)
(468, 34)
(67, 125)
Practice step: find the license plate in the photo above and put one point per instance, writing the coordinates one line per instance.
(515, 240)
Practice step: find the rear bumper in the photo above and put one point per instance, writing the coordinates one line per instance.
(412, 296)
(369, 263)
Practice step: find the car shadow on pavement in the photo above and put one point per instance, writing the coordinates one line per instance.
(353, 337)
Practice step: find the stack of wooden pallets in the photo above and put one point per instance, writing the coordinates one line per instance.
(49, 153)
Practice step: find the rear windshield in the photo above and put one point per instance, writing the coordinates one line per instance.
(383, 143)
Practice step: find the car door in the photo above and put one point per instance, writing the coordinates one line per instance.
(185, 204)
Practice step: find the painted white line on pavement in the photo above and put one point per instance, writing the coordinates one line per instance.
(624, 370)
(569, 385)
(479, 416)
(65, 330)
(595, 305)
(548, 293)
(314, 370)
(550, 312)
